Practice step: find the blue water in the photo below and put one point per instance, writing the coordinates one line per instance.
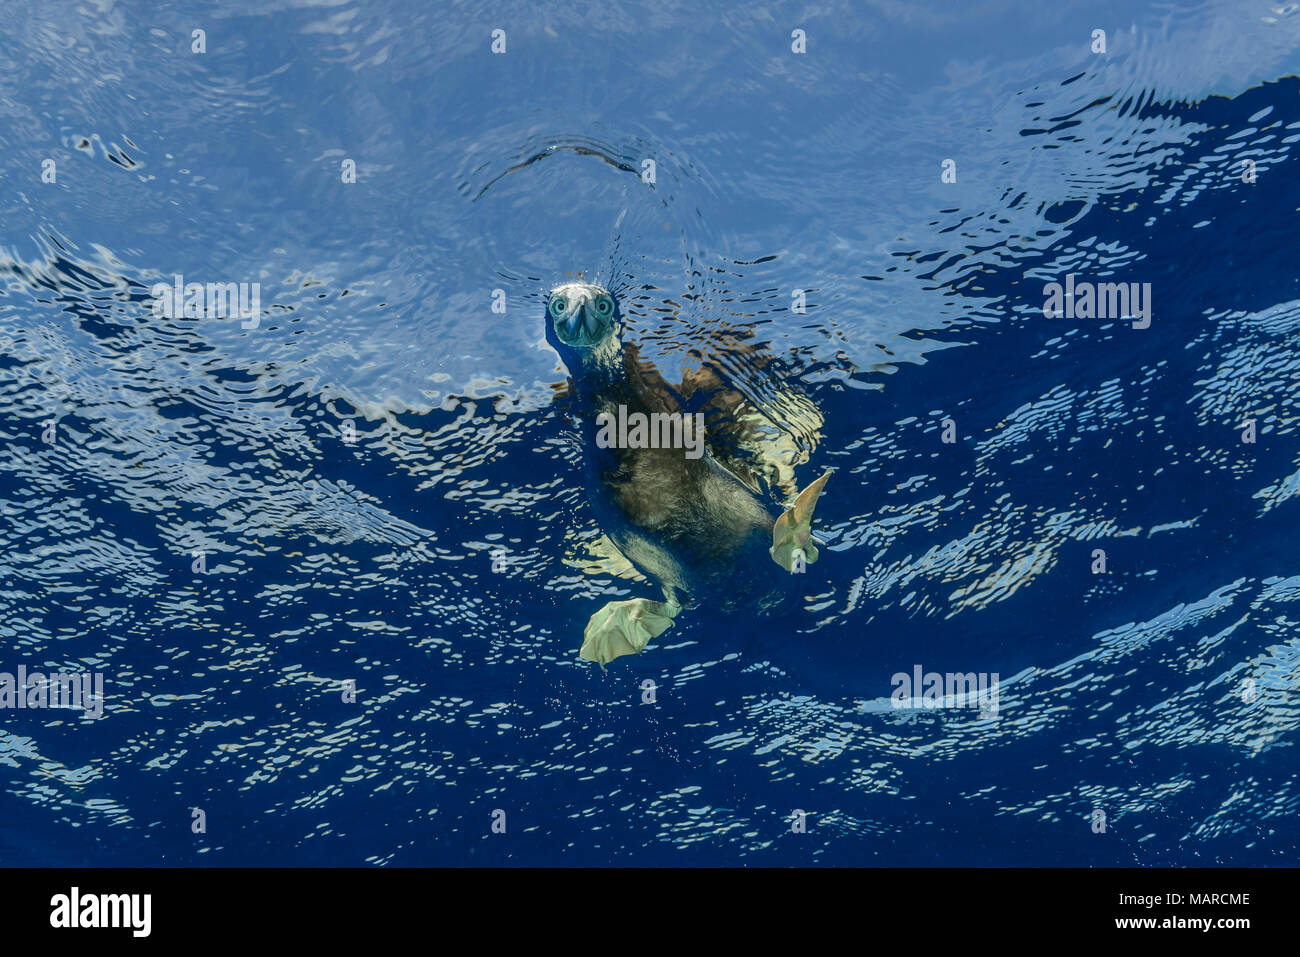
(1161, 692)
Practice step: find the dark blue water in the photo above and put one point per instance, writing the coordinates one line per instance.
(349, 466)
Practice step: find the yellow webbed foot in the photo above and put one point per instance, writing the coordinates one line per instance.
(624, 628)
(792, 533)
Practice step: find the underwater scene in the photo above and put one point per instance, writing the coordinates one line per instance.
(649, 434)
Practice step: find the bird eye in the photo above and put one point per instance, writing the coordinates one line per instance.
(604, 306)
(558, 306)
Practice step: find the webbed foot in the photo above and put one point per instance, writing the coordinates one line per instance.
(792, 533)
(625, 627)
